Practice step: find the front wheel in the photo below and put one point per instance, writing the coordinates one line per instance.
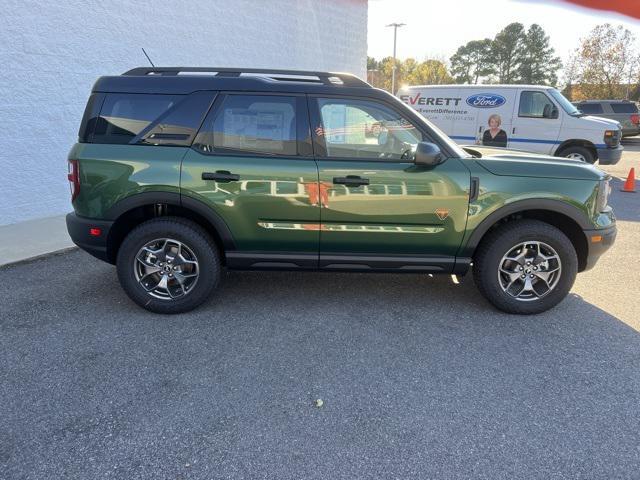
(168, 265)
(579, 153)
(525, 267)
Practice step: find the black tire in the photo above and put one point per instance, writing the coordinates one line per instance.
(190, 235)
(489, 254)
(588, 155)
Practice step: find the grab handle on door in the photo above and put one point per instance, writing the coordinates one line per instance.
(351, 181)
(221, 176)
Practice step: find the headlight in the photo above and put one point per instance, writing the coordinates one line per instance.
(612, 138)
(604, 189)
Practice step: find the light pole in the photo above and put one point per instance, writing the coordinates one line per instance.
(393, 70)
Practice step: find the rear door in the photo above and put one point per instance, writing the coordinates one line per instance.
(493, 111)
(379, 209)
(536, 123)
(252, 164)
(627, 114)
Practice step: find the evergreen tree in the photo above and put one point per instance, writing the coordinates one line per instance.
(506, 55)
(472, 61)
(538, 64)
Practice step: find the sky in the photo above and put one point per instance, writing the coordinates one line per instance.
(436, 28)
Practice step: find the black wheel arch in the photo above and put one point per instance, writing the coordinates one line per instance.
(569, 219)
(135, 209)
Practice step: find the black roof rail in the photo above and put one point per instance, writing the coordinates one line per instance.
(327, 78)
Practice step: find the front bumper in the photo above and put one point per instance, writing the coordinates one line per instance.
(610, 156)
(79, 230)
(598, 242)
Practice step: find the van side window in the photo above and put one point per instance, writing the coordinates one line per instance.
(590, 108)
(533, 104)
(263, 124)
(365, 129)
(624, 108)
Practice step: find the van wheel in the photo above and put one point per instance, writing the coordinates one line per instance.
(168, 265)
(525, 267)
(579, 153)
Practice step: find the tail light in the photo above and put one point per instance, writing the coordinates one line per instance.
(74, 178)
(635, 119)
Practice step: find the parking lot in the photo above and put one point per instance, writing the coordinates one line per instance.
(420, 377)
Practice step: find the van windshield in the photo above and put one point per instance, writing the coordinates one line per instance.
(566, 105)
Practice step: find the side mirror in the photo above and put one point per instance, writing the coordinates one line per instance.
(427, 154)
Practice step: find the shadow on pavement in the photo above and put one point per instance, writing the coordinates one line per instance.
(420, 378)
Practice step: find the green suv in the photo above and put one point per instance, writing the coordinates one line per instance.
(181, 172)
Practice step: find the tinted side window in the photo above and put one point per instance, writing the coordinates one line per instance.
(251, 123)
(532, 104)
(365, 129)
(124, 116)
(90, 117)
(624, 108)
(590, 108)
(179, 124)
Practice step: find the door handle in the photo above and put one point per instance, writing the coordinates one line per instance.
(221, 176)
(513, 131)
(351, 181)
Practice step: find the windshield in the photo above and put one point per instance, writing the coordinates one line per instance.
(566, 105)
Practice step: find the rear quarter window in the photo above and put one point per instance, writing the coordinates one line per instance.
(624, 108)
(151, 119)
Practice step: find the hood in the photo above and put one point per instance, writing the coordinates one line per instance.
(600, 123)
(514, 163)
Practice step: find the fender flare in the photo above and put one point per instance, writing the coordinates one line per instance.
(169, 198)
(550, 205)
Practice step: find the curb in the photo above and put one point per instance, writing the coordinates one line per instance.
(40, 256)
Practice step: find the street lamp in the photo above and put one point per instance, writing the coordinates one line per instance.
(393, 70)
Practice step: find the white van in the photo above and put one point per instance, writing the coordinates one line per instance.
(523, 117)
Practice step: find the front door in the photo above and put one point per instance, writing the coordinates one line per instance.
(379, 209)
(252, 164)
(536, 123)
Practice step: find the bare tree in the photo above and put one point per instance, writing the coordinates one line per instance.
(606, 62)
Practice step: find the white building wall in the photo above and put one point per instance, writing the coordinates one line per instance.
(52, 52)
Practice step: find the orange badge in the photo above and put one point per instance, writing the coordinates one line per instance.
(442, 213)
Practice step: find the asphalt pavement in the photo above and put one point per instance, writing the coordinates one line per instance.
(419, 376)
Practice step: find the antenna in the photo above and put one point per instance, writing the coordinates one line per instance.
(145, 54)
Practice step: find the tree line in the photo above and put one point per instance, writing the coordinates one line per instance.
(606, 63)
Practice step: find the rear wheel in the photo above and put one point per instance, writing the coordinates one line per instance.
(525, 267)
(168, 265)
(579, 153)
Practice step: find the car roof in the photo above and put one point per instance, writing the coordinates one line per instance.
(605, 101)
(184, 80)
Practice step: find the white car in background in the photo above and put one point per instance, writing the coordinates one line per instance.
(531, 118)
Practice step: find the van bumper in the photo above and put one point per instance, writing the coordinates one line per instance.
(598, 242)
(79, 229)
(610, 156)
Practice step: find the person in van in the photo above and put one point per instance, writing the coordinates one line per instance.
(494, 136)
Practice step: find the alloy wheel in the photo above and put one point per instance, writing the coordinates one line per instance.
(166, 268)
(577, 156)
(529, 271)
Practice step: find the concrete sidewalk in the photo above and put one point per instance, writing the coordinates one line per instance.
(33, 238)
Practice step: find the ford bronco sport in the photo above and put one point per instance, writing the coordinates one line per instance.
(180, 172)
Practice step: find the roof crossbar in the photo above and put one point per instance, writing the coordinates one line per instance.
(327, 78)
